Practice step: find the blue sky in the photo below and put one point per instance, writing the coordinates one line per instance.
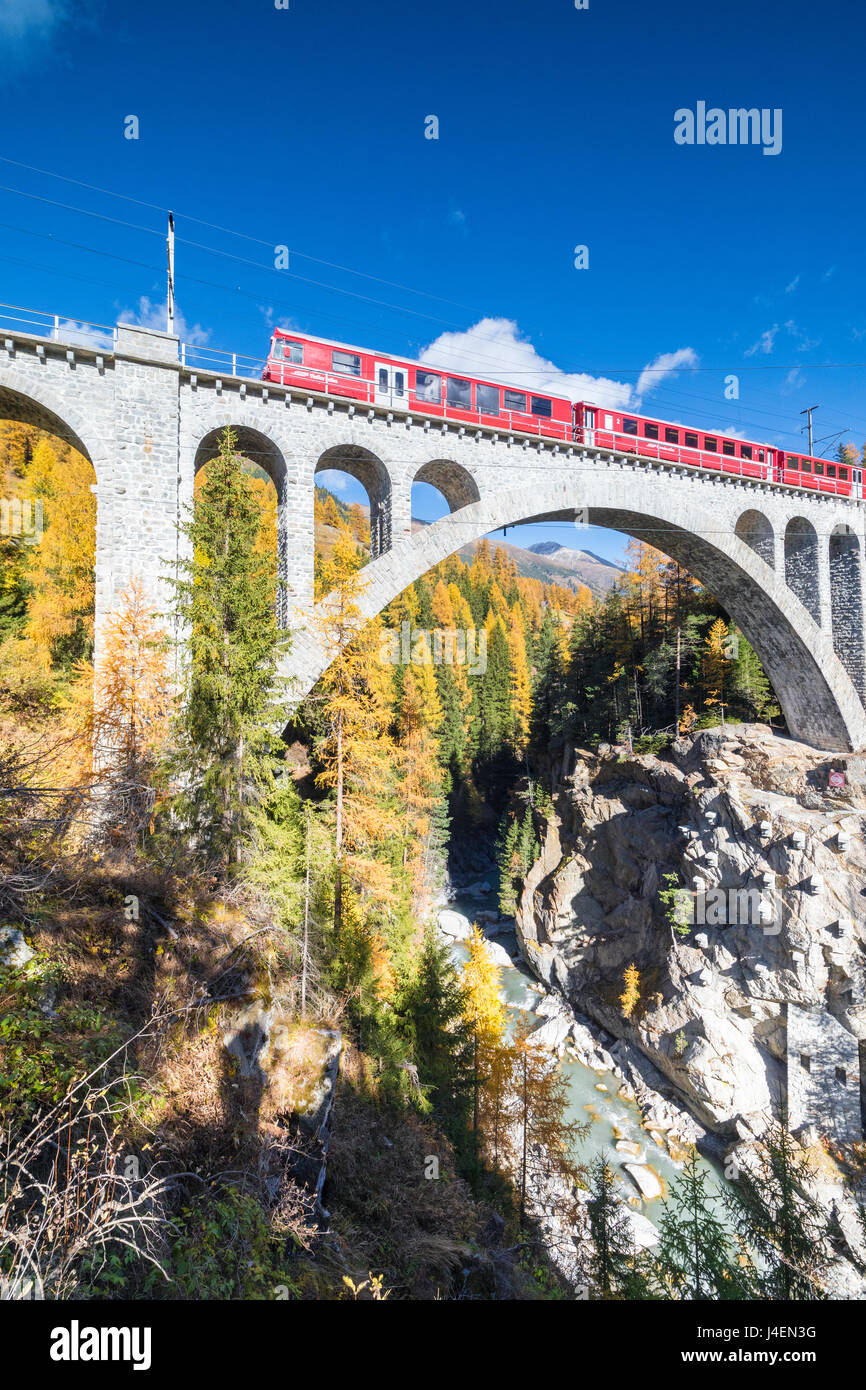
(305, 127)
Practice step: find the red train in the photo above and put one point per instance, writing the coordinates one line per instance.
(380, 379)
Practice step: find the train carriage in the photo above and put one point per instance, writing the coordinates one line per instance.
(387, 381)
(379, 379)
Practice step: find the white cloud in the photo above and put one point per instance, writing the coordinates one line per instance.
(765, 343)
(23, 20)
(332, 480)
(733, 433)
(666, 364)
(494, 348)
(793, 381)
(85, 334)
(150, 315)
(789, 289)
(803, 340)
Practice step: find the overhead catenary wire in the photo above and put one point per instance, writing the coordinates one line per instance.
(646, 369)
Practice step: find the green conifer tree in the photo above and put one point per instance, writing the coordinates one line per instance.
(697, 1257)
(777, 1217)
(613, 1259)
(225, 747)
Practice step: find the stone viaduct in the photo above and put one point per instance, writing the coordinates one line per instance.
(786, 565)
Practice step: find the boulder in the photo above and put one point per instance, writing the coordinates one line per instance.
(553, 1033)
(454, 924)
(478, 890)
(497, 953)
(644, 1233)
(645, 1179)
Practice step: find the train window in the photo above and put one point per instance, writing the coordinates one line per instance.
(807, 467)
(291, 352)
(728, 446)
(428, 387)
(629, 426)
(710, 444)
(487, 399)
(399, 383)
(515, 400)
(843, 474)
(791, 462)
(650, 431)
(745, 451)
(819, 468)
(347, 363)
(383, 378)
(540, 405)
(458, 392)
(672, 436)
(831, 470)
(691, 440)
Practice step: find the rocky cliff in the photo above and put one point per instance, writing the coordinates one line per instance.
(766, 927)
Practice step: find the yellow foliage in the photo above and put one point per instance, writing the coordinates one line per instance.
(631, 990)
(61, 566)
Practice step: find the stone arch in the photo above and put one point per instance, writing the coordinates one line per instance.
(846, 602)
(252, 444)
(372, 474)
(28, 403)
(801, 564)
(455, 482)
(820, 702)
(757, 531)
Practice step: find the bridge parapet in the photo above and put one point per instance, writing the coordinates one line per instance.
(147, 411)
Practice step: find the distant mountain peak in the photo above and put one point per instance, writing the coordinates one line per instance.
(545, 547)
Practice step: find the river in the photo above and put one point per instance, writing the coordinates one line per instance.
(610, 1116)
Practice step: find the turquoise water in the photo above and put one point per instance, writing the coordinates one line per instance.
(610, 1116)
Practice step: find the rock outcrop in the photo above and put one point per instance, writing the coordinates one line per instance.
(770, 865)
(732, 874)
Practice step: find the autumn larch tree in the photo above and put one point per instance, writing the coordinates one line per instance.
(355, 749)
(540, 1105)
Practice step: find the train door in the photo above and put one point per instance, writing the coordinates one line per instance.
(857, 482)
(390, 385)
(589, 424)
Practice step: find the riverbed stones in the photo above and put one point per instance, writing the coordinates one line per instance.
(646, 1180)
(454, 924)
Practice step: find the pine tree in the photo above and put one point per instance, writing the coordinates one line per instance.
(443, 1054)
(613, 1259)
(696, 1256)
(776, 1216)
(224, 607)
